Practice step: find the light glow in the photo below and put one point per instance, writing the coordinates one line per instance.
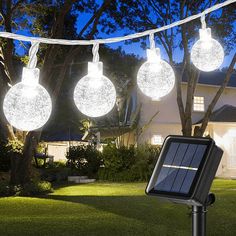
(157, 140)
(155, 77)
(27, 105)
(95, 94)
(207, 54)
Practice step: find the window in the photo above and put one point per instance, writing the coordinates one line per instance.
(198, 104)
(157, 140)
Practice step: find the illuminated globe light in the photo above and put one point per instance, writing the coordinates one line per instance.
(27, 105)
(207, 54)
(155, 77)
(95, 94)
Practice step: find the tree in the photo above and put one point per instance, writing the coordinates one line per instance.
(54, 19)
(148, 14)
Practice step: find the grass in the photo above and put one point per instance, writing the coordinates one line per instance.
(112, 209)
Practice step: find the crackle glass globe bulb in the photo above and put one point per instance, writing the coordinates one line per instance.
(207, 54)
(155, 77)
(27, 105)
(95, 94)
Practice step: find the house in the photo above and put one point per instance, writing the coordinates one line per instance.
(222, 124)
(57, 142)
(119, 123)
(156, 120)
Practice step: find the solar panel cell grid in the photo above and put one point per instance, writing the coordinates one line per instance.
(180, 167)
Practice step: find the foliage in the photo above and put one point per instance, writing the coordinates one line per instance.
(40, 162)
(128, 163)
(53, 19)
(7, 150)
(36, 188)
(143, 15)
(41, 147)
(58, 172)
(84, 160)
(58, 164)
(85, 125)
(118, 159)
(4, 188)
(146, 158)
(54, 172)
(15, 146)
(5, 161)
(58, 19)
(9, 190)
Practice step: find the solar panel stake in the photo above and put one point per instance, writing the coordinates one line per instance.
(184, 173)
(199, 216)
(199, 220)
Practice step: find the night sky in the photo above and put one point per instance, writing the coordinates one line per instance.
(133, 48)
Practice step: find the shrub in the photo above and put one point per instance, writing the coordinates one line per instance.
(55, 173)
(36, 188)
(146, 157)
(4, 188)
(84, 160)
(41, 147)
(5, 160)
(11, 149)
(15, 146)
(118, 159)
(58, 164)
(8, 190)
(30, 189)
(128, 163)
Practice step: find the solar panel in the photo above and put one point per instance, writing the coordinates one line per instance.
(180, 167)
(185, 169)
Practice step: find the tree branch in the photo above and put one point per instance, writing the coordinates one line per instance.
(210, 108)
(180, 96)
(57, 31)
(7, 51)
(74, 50)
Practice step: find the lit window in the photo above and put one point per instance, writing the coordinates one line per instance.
(198, 104)
(157, 140)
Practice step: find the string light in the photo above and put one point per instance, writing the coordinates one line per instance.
(95, 94)
(155, 77)
(27, 105)
(207, 54)
(115, 39)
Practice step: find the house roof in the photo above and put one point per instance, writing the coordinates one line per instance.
(226, 113)
(214, 78)
(61, 135)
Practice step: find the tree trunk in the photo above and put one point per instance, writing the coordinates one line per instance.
(15, 160)
(25, 167)
(22, 170)
(199, 130)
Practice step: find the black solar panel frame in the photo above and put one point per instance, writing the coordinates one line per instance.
(180, 139)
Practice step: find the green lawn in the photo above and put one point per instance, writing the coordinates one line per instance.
(112, 209)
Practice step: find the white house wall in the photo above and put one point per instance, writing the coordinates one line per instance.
(159, 129)
(168, 109)
(224, 135)
(58, 149)
(208, 92)
(168, 122)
